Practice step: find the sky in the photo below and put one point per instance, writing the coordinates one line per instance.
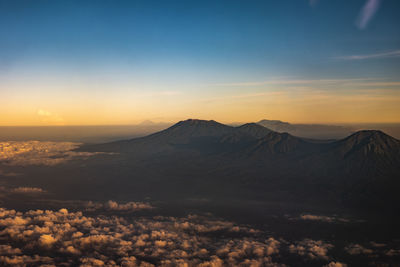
(109, 62)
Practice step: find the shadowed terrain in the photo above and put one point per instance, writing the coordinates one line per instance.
(265, 197)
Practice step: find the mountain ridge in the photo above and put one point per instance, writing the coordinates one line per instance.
(363, 167)
(257, 137)
(313, 131)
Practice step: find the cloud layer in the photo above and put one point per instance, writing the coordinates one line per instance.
(64, 238)
(25, 153)
(74, 239)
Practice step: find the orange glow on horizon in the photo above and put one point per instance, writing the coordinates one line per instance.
(293, 101)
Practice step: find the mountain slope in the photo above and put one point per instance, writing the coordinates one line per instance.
(243, 135)
(254, 129)
(182, 133)
(317, 131)
(363, 167)
(367, 149)
(208, 136)
(278, 143)
(185, 131)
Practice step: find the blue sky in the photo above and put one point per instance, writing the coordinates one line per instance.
(166, 46)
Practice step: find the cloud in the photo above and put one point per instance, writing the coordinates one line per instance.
(47, 240)
(9, 250)
(356, 249)
(314, 249)
(23, 153)
(389, 54)
(287, 82)
(367, 13)
(49, 117)
(329, 219)
(8, 174)
(71, 238)
(28, 190)
(393, 252)
(115, 206)
(115, 241)
(316, 218)
(335, 264)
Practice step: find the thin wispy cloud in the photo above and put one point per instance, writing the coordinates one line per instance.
(291, 82)
(389, 54)
(367, 13)
(380, 84)
(49, 117)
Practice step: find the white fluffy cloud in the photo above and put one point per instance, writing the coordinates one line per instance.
(25, 153)
(50, 117)
(113, 241)
(45, 237)
(314, 249)
(335, 264)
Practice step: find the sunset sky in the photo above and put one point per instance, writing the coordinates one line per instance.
(122, 62)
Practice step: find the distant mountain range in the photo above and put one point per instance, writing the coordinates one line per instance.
(318, 131)
(361, 168)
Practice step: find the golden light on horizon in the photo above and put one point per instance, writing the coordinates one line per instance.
(308, 102)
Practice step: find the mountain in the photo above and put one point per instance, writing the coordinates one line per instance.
(276, 143)
(315, 131)
(368, 143)
(361, 146)
(243, 135)
(251, 160)
(277, 125)
(197, 134)
(185, 131)
(370, 150)
(253, 129)
(182, 133)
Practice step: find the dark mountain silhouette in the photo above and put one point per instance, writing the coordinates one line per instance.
(196, 134)
(185, 131)
(254, 129)
(367, 152)
(213, 158)
(368, 143)
(317, 131)
(362, 145)
(275, 142)
(243, 135)
(181, 133)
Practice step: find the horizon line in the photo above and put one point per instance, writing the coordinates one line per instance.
(174, 122)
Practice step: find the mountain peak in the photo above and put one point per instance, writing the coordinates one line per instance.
(277, 122)
(254, 130)
(370, 136)
(184, 131)
(369, 142)
(197, 122)
(251, 124)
